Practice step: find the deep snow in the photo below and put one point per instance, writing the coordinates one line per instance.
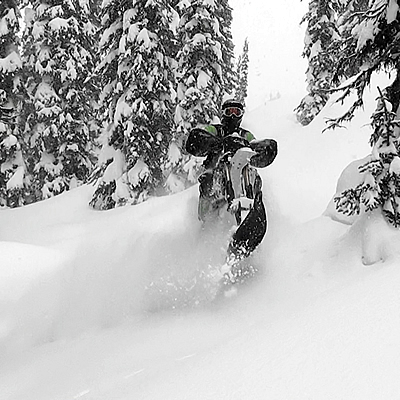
(119, 304)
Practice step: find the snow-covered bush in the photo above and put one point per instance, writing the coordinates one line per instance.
(380, 186)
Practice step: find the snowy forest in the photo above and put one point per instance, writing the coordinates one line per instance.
(106, 92)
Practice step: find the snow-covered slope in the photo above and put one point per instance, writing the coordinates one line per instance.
(314, 324)
(120, 304)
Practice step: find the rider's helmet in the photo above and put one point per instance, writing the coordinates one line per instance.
(232, 113)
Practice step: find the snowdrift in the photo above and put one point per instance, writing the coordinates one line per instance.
(75, 269)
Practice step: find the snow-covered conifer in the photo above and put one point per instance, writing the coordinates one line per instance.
(59, 46)
(368, 41)
(370, 34)
(224, 15)
(137, 99)
(320, 33)
(13, 179)
(200, 64)
(369, 37)
(242, 71)
(332, 47)
(199, 76)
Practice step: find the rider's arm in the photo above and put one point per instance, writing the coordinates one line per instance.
(201, 142)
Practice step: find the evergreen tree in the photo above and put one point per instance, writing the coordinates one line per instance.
(223, 13)
(199, 76)
(137, 100)
(320, 33)
(59, 42)
(242, 72)
(369, 42)
(13, 180)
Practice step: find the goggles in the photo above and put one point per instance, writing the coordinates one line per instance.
(229, 111)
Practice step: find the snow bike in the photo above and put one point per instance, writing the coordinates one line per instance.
(237, 186)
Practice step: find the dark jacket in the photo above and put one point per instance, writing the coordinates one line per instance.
(213, 140)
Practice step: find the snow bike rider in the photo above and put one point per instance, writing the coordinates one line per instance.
(210, 142)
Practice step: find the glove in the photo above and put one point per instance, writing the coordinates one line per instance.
(200, 143)
(266, 150)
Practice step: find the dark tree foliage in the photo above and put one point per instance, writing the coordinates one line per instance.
(369, 43)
